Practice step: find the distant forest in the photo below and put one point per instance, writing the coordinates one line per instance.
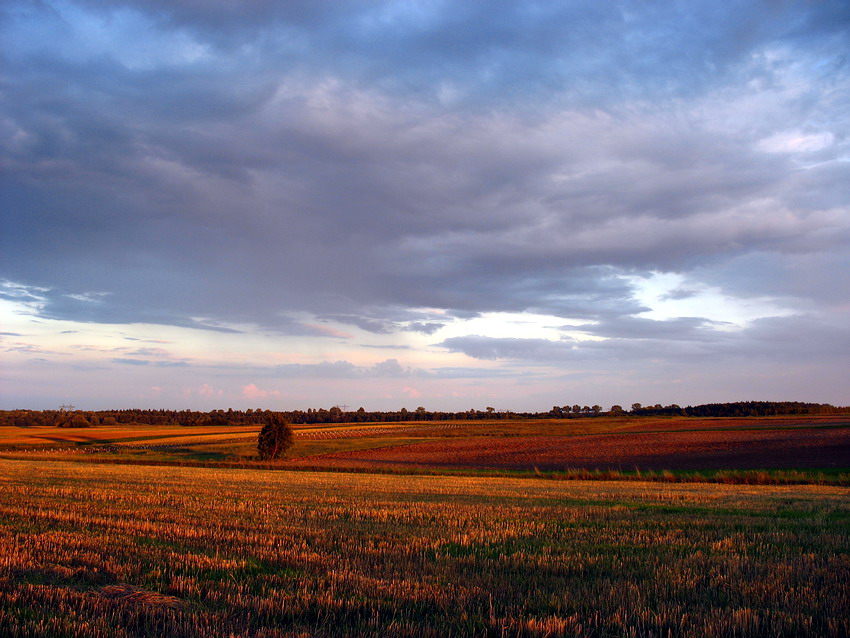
(83, 418)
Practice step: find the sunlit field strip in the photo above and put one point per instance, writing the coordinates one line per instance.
(116, 434)
(111, 550)
(147, 434)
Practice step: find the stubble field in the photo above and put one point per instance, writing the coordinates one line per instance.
(112, 550)
(169, 531)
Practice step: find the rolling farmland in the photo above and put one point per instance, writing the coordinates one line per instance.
(621, 444)
(170, 531)
(689, 450)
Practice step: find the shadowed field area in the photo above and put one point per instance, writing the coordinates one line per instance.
(799, 448)
(111, 550)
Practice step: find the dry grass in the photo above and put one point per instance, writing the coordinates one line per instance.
(91, 550)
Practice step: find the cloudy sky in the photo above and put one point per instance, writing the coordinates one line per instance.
(210, 204)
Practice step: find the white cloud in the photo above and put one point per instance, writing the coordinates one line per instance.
(796, 142)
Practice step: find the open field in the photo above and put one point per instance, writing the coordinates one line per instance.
(701, 450)
(109, 550)
(814, 445)
(105, 434)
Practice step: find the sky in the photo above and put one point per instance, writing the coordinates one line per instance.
(207, 204)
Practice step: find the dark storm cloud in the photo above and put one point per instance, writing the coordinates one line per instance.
(239, 166)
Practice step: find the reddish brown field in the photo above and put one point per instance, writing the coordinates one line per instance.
(604, 443)
(783, 448)
(644, 424)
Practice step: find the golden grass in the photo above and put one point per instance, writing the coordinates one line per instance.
(91, 550)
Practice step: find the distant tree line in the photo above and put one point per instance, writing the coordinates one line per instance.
(741, 408)
(82, 418)
(763, 408)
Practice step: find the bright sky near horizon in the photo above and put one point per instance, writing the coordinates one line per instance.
(450, 204)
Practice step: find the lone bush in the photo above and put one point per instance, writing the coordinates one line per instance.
(275, 437)
(72, 420)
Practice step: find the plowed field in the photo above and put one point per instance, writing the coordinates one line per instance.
(691, 450)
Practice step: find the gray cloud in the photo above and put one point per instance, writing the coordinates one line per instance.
(436, 207)
(792, 341)
(460, 372)
(331, 370)
(803, 280)
(341, 370)
(235, 170)
(679, 329)
(538, 350)
(393, 320)
(377, 326)
(801, 338)
(148, 362)
(29, 349)
(131, 362)
(427, 328)
(525, 49)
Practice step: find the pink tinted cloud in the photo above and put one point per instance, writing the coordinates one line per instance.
(251, 391)
(329, 331)
(206, 390)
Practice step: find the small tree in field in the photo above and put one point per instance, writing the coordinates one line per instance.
(275, 437)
